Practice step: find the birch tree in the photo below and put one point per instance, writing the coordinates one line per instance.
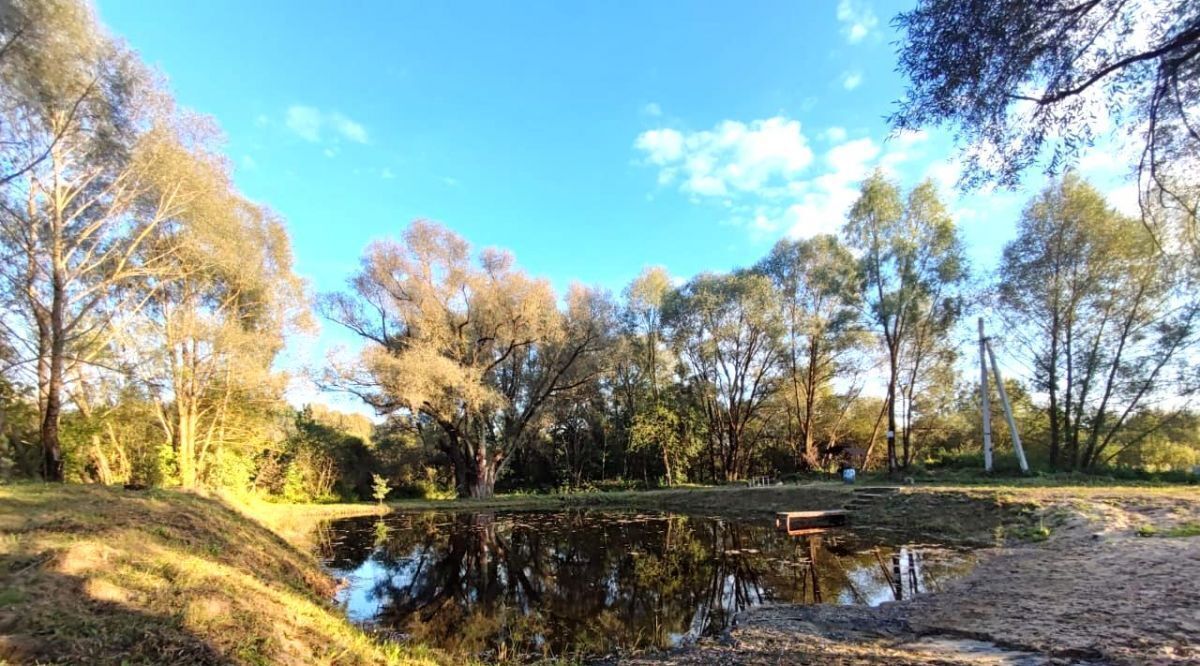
(74, 212)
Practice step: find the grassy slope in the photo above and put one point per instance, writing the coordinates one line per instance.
(99, 575)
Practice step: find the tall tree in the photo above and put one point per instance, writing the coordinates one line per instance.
(817, 282)
(49, 51)
(74, 213)
(912, 264)
(221, 299)
(1104, 315)
(472, 349)
(1030, 82)
(726, 332)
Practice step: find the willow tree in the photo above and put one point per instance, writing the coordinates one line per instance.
(1027, 83)
(725, 330)
(468, 346)
(912, 264)
(218, 298)
(817, 281)
(77, 203)
(1106, 316)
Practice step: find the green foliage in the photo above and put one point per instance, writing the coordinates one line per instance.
(162, 469)
(379, 488)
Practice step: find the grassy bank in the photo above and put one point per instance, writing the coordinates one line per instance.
(101, 575)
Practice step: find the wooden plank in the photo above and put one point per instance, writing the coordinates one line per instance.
(794, 520)
(806, 531)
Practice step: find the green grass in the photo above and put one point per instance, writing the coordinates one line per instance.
(101, 575)
(1180, 531)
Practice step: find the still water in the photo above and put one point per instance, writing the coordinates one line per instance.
(525, 585)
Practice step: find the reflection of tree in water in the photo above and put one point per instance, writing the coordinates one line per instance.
(533, 584)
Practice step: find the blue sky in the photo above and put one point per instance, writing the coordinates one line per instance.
(591, 139)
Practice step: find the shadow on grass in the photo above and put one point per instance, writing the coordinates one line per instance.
(101, 575)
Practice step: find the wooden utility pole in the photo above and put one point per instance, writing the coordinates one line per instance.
(985, 400)
(1008, 414)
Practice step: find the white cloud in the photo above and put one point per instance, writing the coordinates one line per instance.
(946, 174)
(851, 80)
(662, 146)
(834, 134)
(732, 157)
(305, 122)
(765, 174)
(329, 152)
(309, 122)
(652, 109)
(386, 174)
(349, 129)
(857, 18)
(450, 182)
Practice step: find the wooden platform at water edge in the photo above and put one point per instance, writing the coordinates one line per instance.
(800, 522)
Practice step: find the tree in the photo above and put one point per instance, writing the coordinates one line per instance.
(49, 51)
(474, 350)
(817, 281)
(726, 333)
(1103, 314)
(74, 218)
(379, 488)
(1023, 82)
(215, 315)
(912, 264)
(642, 319)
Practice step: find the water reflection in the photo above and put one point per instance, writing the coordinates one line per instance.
(522, 585)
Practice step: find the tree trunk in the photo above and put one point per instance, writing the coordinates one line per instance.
(484, 484)
(891, 412)
(51, 448)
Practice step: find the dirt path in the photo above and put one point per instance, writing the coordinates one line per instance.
(1095, 592)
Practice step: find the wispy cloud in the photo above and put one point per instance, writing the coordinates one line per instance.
(309, 123)
(386, 174)
(857, 18)
(851, 80)
(652, 109)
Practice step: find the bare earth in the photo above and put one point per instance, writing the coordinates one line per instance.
(1095, 592)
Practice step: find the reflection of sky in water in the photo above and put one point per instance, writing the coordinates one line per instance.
(537, 584)
(360, 596)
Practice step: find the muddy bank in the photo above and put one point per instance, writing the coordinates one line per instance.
(1093, 592)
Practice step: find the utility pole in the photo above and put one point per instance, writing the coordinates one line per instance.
(985, 400)
(1008, 414)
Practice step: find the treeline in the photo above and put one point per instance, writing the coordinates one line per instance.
(806, 359)
(145, 301)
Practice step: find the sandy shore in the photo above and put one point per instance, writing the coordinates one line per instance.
(1094, 592)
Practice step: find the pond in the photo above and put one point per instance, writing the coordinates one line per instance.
(526, 585)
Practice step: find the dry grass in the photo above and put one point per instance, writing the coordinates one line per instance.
(99, 575)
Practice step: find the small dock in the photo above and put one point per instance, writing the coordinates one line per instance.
(800, 522)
